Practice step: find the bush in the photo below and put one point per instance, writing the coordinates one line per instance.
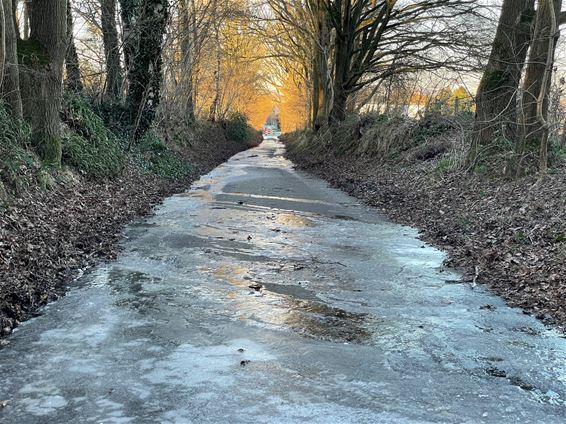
(18, 167)
(156, 157)
(91, 148)
(237, 128)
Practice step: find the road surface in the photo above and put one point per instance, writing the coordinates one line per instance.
(264, 296)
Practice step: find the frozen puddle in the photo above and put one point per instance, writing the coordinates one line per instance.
(262, 295)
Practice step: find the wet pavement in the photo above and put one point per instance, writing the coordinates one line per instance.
(262, 295)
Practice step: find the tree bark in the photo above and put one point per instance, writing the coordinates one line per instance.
(341, 68)
(26, 18)
(496, 99)
(214, 106)
(321, 75)
(130, 10)
(74, 82)
(2, 42)
(11, 79)
(112, 91)
(145, 75)
(44, 57)
(187, 62)
(531, 125)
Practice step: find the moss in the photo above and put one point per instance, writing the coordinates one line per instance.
(32, 53)
(44, 179)
(48, 147)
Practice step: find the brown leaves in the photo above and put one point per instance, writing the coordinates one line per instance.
(45, 237)
(514, 231)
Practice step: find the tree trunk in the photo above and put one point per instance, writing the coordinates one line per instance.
(11, 79)
(2, 42)
(14, 13)
(340, 95)
(130, 10)
(343, 53)
(145, 74)
(187, 75)
(339, 105)
(535, 95)
(496, 100)
(214, 106)
(43, 60)
(112, 91)
(26, 18)
(321, 80)
(74, 82)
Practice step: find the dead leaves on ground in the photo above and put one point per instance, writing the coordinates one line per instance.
(513, 232)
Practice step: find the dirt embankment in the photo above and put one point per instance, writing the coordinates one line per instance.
(47, 236)
(508, 235)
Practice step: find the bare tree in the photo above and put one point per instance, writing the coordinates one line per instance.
(113, 85)
(10, 88)
(496, 98)
(537, 81)
(73, 80)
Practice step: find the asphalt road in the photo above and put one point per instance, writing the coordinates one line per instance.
(264, 296)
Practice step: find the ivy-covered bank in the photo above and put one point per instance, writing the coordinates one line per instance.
(54, 222)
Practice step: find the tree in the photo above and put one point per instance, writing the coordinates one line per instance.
(130, 10)
(187, 61)
(43, 58)
(377, 39)
(537, 81)
(2, 41)
(496, 98)
(346, 45)
(145, 75)
(74, 82)
(113, 85)
(10, 79)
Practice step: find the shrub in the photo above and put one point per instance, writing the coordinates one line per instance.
(156, 157)
(91, 148)
(237, 128)
(17, 165)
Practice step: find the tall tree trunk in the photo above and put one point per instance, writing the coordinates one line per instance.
(112, 91)
(535, 87)
(213, 113)
(187, 62)
(342, 58)
(496, 99)
(14, 10)
(145, 75)
(26, 18)
(43, 64)
(321, 74)
(74, 82)
(343, 52)
(2, 42)
(130, 10)
(11, 78)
